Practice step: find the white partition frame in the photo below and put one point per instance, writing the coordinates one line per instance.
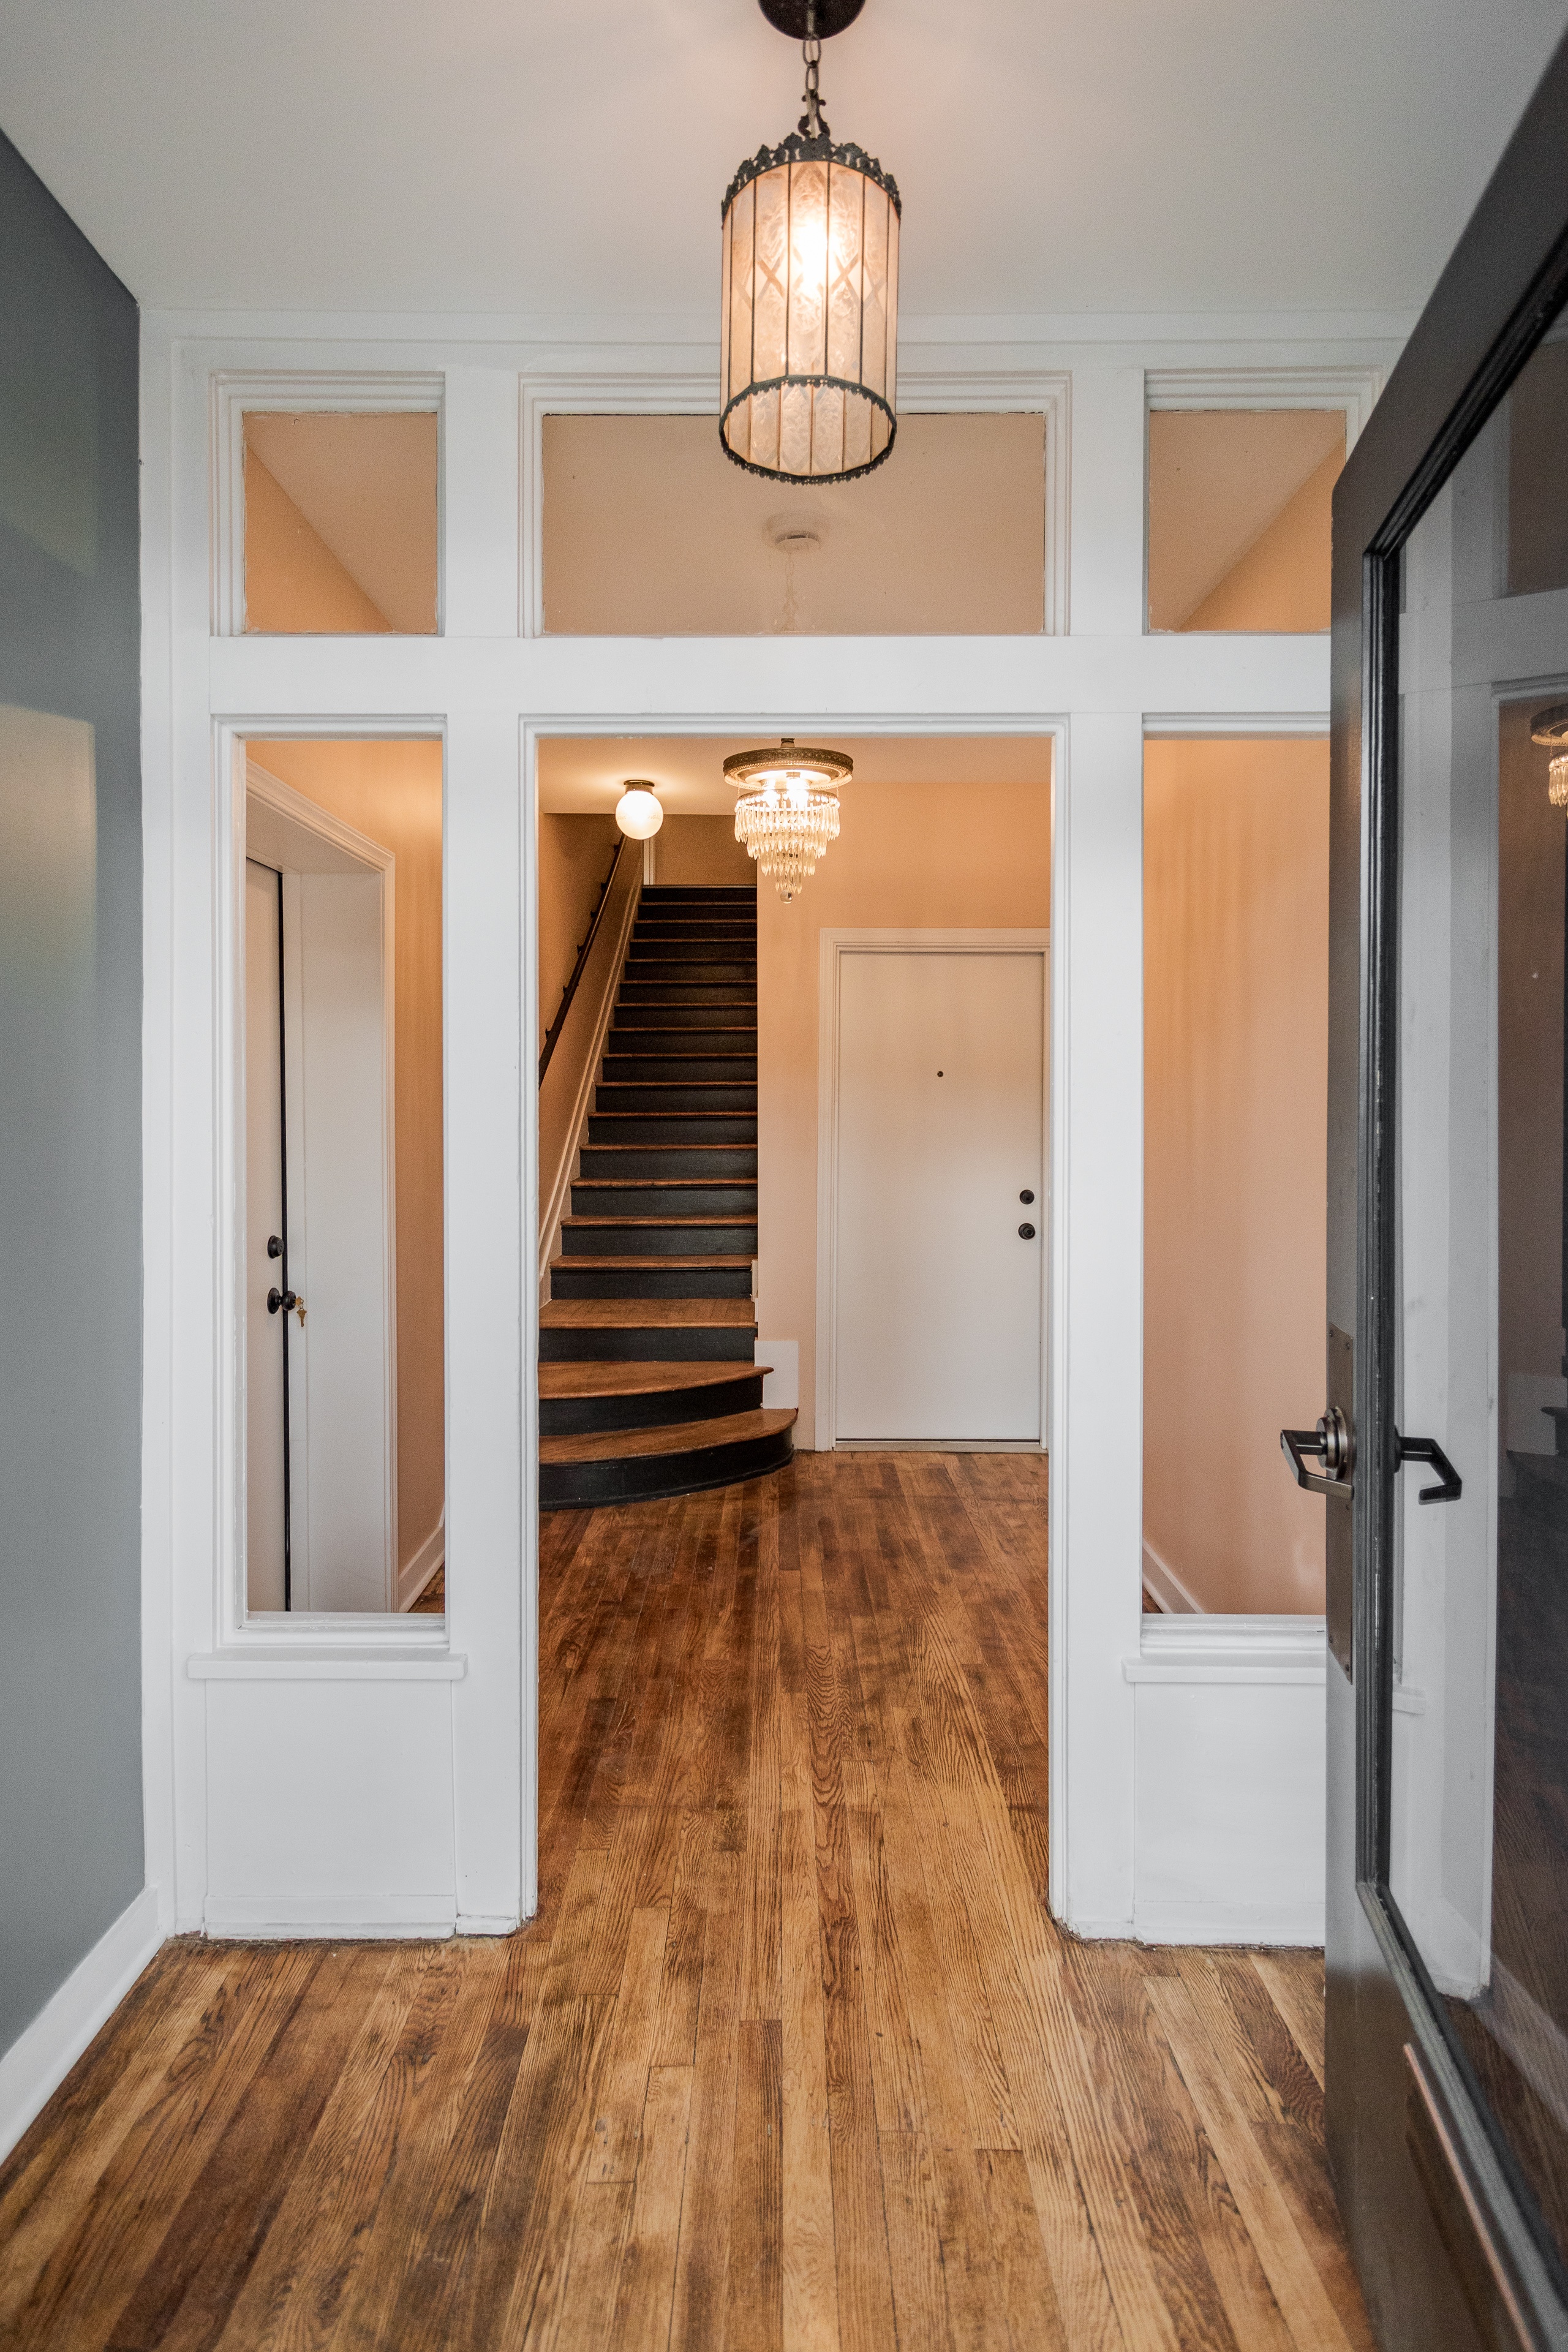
(461, 1698)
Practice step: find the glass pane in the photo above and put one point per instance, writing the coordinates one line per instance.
(345, 1299)
(1480, 1815)
(1236, 1044)
(651, 531)
(1239, 517)
(341, 523)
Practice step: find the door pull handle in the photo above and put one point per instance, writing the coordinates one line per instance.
(1333, 1445)
(1450, 1486)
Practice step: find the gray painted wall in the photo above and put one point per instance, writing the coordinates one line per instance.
(70, 1175)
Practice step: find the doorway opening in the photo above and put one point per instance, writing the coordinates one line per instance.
(342, 1229)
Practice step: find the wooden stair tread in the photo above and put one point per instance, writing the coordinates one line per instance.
(620, 1314)
(675, 1437)
(596, 1379)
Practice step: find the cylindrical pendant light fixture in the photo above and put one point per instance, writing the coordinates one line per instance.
(808, 369)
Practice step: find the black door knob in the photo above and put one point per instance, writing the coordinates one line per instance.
(1026, 1198)
(1025, 1232)
(285, 1299)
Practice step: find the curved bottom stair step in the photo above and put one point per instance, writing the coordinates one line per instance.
(587, 1398)
(636, 1466)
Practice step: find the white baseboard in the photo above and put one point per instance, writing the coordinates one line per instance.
(1162, 1584)
(334, 1918)
(415, 1575)
(43, 2054)
(485, 1923)
(1293, 1923)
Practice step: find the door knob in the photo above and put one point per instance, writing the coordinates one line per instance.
(289, 1301)
(1025, 1232)
(1026, 1199)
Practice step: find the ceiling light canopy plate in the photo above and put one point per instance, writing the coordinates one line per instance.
(789, 16)
(1550, 727)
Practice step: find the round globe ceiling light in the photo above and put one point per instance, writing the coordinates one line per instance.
(638, 811)
(787, 814)
(808, 331)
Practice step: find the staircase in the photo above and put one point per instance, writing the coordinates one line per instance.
(647, 1382)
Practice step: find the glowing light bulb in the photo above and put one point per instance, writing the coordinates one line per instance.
(637, 812)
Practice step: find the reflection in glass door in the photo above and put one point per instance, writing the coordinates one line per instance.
(1476, 1715)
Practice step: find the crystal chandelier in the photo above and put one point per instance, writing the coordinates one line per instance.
(1550, 728)
(788, 810)
(809, 334)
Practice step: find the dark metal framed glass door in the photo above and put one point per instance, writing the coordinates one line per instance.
(1449, 1263)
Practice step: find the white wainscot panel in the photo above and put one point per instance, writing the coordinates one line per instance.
(329, 1809)
(1229, 1841)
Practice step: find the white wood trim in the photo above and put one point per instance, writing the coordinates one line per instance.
(415, 1572)
(431, 1663)
(44, 2053)
(832, 946)
(1353, 389)
(232, 392)
(337, 1918)
(1161, 1580)
(922, 392)
(1200, 726)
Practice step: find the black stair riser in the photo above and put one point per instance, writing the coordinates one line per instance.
(680, 1101)
(652, 977)
(694, 993)
(638, 1479)
(579, 1278)
(599, 1160)
(680, 1199)
(721, 1014)
(705, 939)
(682, 1070)
(736, 1239)
(705, 894)
(614, 1343)
(626, 1127)
(653, 1409)
(730, 1044)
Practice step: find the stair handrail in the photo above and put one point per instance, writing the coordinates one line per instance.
(552, 1034)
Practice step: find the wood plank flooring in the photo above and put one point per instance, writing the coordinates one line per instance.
(794, 2054)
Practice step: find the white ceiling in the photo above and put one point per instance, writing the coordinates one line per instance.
(582, 775)
(567, 162)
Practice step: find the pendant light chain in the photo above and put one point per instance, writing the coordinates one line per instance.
(812, 124)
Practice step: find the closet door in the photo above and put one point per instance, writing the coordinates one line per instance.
(940, 1224)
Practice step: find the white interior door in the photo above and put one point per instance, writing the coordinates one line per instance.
(264, 1493)
(941, 1133)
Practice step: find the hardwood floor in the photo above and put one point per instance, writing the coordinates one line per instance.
(792, 2055)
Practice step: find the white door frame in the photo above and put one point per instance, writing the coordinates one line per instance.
(488, 689)
(306, 816)
(834, 946)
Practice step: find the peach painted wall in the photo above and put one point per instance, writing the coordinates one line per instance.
(293, 582)
(921, 857)
(702, 849)
(391, 791)
(574, 854)
(1283, 581)
(1235, 940)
